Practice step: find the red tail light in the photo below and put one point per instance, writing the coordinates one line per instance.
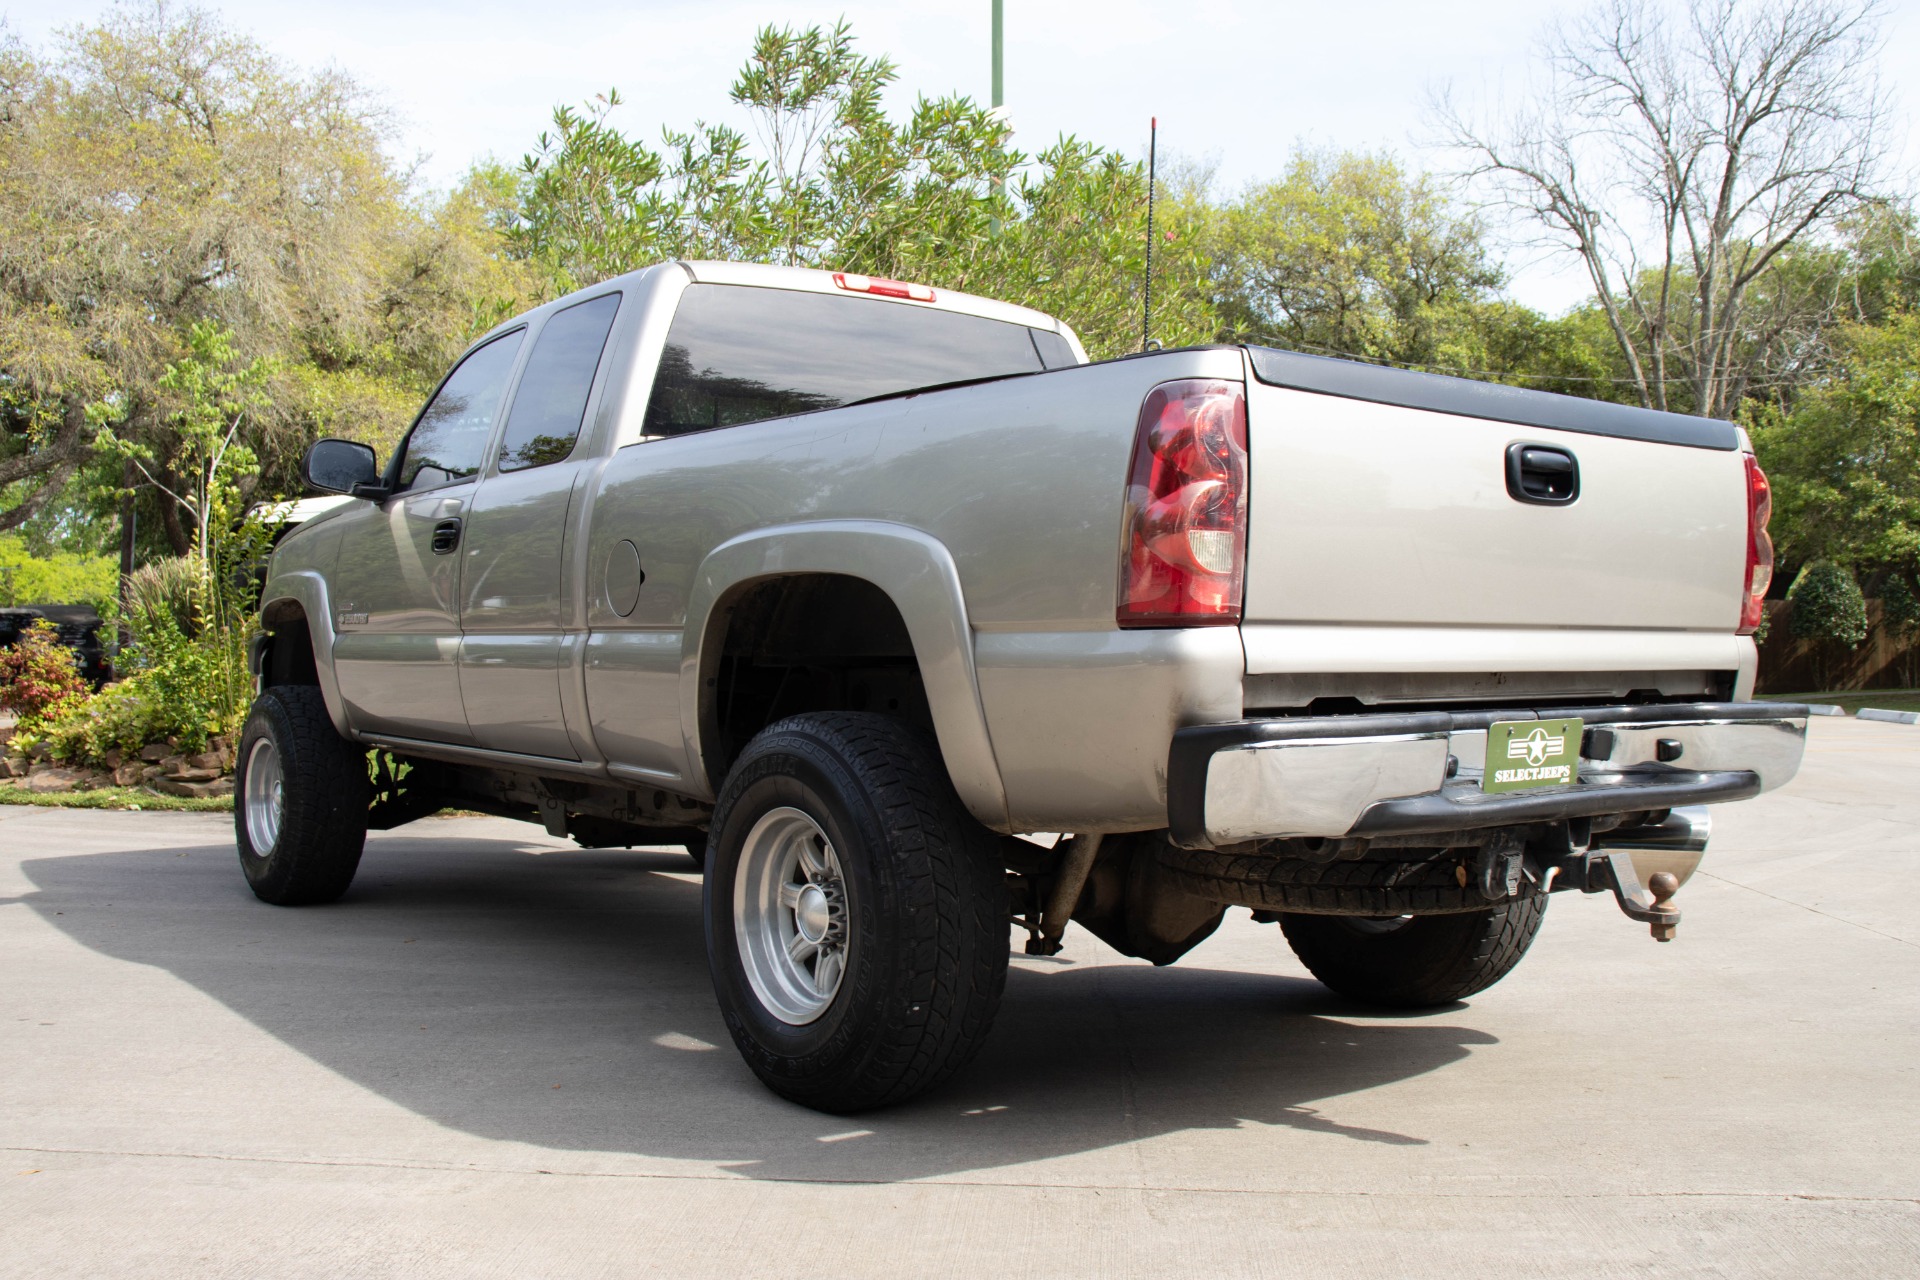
(1185, 543)
(1759, 547)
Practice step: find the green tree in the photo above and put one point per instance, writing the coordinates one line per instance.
(829, 180)
(216, 394)
(1680, 153)
(54, 577)
(1350, 254)
(157, 171)
(1845, 461)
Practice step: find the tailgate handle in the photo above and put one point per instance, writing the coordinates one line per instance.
(1542, 474)
(446, 536)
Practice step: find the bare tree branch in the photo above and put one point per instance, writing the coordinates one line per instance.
(1681, 159)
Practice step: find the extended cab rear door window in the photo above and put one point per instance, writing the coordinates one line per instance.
(737, 354)
(449, 442)
(1055, 351)
(551, 401)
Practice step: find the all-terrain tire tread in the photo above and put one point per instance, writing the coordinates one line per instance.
(1432, 960)
(323, 828)
(947, 868)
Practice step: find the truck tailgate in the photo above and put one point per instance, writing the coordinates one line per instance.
(1375, 514)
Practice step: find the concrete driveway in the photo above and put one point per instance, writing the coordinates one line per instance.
(499, 1056)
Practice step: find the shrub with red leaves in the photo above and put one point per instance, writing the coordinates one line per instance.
(38, 675)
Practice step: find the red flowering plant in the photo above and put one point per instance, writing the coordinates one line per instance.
(39, 680)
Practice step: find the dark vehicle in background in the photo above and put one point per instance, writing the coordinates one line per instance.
(79, 626)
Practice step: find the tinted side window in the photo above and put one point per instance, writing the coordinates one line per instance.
(551, 400)
(737, 354)
(450, 440)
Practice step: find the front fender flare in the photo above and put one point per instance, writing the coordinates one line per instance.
(307, 591)
(916, 572)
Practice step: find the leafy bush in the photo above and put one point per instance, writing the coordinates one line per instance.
(39, 680)
(1827, 605)
(60, 578)
(185, 666)
(1900, 607)
(1900, 614)
(179, 688)
(148, 706)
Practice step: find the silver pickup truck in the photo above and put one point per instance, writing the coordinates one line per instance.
(912, 625)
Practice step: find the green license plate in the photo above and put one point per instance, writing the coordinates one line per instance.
(1526, 754)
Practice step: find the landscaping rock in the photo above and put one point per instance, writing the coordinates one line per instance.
(149, 772)
(40, 751)
(190, 774)
(155, 751)
(52, 778)
(14, 767)
(195, 790)
(129, 774)
(171, 765)
(114, 758)
(207, 760)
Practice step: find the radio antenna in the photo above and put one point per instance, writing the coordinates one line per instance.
(1146, 319)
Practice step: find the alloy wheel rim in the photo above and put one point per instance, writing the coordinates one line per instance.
(790, 916)
(264, 796)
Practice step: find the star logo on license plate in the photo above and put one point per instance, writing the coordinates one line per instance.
(1536, 747)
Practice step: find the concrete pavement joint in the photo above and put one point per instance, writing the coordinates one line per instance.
(1804, 907)
(1167, 1188)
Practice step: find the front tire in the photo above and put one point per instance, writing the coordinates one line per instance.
(1419, 961)
(300, 800)
(856, 914)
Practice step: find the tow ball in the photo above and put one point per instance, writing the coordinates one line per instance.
(1651, 902)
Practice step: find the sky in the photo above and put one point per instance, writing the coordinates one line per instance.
(1238, 83)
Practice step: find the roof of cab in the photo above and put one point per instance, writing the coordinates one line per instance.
(804, 279)
(808, 280)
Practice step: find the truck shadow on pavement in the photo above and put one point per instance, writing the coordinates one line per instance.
(560, 998)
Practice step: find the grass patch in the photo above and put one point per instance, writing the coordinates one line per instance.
(1854, 699)
(117, 798)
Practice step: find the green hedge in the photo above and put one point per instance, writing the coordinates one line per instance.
(61, 578)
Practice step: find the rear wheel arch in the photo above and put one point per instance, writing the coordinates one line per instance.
(871, 562)
(798, 643)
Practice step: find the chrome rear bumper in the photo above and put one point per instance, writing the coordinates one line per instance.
(1418, 773)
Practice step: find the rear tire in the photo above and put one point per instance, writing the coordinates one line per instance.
(1419, 961)
(856, 913)
(300, 798)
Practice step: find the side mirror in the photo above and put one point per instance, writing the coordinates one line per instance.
(342, 466)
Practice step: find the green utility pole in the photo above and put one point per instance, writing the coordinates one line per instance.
(999, 76)
(999, 88)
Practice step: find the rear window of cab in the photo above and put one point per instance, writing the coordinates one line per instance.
(737, 354)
